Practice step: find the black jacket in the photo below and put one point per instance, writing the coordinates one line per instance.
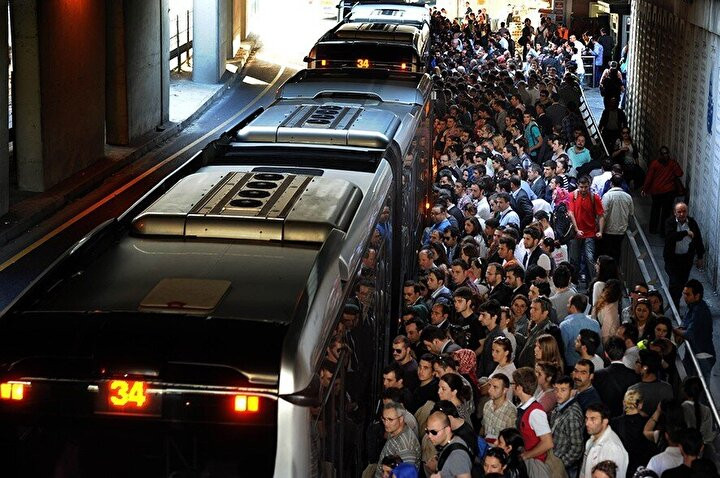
(697, 247)
(522, 206)
(501, 293)
(611, 384)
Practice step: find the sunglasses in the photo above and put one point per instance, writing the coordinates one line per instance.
(432, 432)
(397, 351)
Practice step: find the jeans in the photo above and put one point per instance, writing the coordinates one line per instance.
(582, 256)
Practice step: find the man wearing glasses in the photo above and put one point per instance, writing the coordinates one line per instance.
(403, 357)
(454, 457)
(401, 441)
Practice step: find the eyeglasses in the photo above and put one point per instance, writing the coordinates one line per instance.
(388, 419)
(447, 238)
(397, 351)
(432, 432)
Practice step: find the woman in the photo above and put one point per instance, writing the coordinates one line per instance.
(660, 183)
(605, 269)
(547, 350)
(473, 228)
(605, 469)
(511, 442)
(441, 258)
(451, 387)
(505, 328)
(467, 366)
(657, 303)
(644, 319)
(477, 274)
(501, 354)
(519, 306)
(629, 427)
(468, 252)
(546, 374)
(626, 153)
(668, 353)
(496, 461)
(662, 330)
(697, 413)
(607, 308)
(558, 252)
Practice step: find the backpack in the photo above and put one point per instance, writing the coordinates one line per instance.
(562, 224)
(445, 453)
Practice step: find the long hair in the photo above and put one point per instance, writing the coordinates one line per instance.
(456, 383)
(550, 351)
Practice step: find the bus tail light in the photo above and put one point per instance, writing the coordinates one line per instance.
(247, 403)
(12, 391)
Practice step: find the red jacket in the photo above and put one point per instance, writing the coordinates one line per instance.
(660, 177)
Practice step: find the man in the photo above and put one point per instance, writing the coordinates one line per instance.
(579, 157)
(533, 136)
(598, 182)
(450, 239)
(613, 381)
(515, 279)
(608, 45)
(441, 221)
(393, 378)
(582, 375)
(465, 310)
(691, 448)
(402, 356)
(426, 259)
(454, 457)
(520, 201)
(628, 332)
(671, 456)
(499, 290)
(603, 444)
(586, 345)
(436, 285)
(540, 324)
(683, 244)
(537, 183)
(413, 298)
(697, 327)
(498, 412)
(477, 195)
(566, 422)
(401, 441)
(436, 341)
(587, 215)
(506, 215)
(571, 326)
(413, 329)
(427, 389)
(650, 387)
(563, 293)
(489, 316)
(532, 420)
(534, 255)
(439, 314)
(506, 251)
(618, 206)
(556, 111)
(460, 272)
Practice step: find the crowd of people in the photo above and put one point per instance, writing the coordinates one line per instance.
(516, 355)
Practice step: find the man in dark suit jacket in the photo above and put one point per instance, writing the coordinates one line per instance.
(536, 181)
(683, 243)
(613, 381)
(520, 202)
(501, 292)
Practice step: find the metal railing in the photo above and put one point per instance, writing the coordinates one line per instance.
(181, 31)
(638, 264)
(590, 123)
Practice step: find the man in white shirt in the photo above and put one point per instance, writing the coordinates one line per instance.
(603, 444)
(481, 203)
(618, 206)
(507, 215)
(671, 457)
(598, 182)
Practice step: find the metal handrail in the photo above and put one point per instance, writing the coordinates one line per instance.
(594, 124)
(658, 277)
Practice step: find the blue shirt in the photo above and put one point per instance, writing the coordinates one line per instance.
(698, 324)
(578, 158)
(570, 328)
(509, 216)
(441, 226)
(525, 186)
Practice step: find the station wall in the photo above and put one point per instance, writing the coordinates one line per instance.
(673, 92)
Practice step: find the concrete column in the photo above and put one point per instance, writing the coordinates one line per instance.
(59, 88)
(4, 157)
(137, 74)
(239, 27)
(212, 39)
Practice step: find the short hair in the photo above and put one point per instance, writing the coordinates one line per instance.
(525, 378)
(438, 273)
(691, 442)
(517, 271)
(498, 269)
(608, 467)
(651, 360)
(508, 242)
(584, 180)
(461, 263)
(463, 292)
(550, 370)
(419, 323)
(447, 407)
(504, 196)
(695, 286)
(565, 380)
(432, 332)
(616, 180)
(545, 304)
(503, 378)
(413, 284)
(590, 339)
(541, 216)
(600, 408)
(533, 232)
(394, 368)
(579, 301)
(492, 307)
(561, 277)
(615, 348)
(543, 287)
(453, 231)
(630, 332)
(401, 339)
(398, 407)
(587, 363)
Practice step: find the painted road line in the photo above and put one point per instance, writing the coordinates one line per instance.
(137, 179)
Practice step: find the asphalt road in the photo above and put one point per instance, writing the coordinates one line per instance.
(56, 235)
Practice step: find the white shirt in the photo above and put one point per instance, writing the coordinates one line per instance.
(598, 182)
(682, 246)
(537, 419)
(607, 447)
(670, 458)
(541, 205)
(618, 207)
(483, 209)
(543, 261)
